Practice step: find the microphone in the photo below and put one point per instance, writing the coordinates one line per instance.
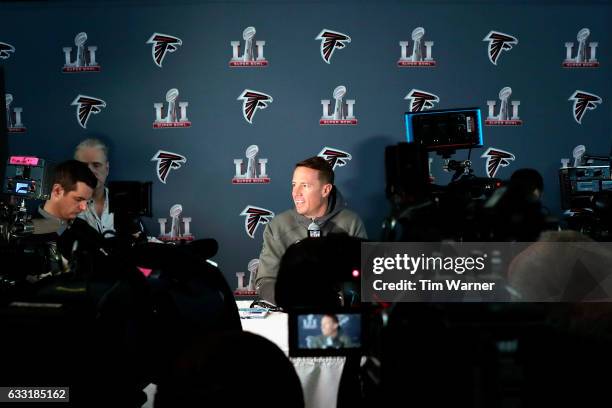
(313, 230)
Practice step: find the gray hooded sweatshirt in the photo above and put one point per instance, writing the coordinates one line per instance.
(290, 227)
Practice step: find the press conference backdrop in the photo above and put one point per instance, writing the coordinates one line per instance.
(119, 74)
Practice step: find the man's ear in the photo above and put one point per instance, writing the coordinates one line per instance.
(57, 191)
(327, 188)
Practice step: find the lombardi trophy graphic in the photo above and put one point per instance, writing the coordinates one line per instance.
(253, 54)
(255, 169)
(175, 227)
(504, 118)
(9, 116)
(586, 54)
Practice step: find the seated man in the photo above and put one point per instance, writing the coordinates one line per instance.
(72, 186)
(331, 335)
(94, 153)
(318, 206)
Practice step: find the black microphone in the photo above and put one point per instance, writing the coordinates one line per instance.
(314, 231)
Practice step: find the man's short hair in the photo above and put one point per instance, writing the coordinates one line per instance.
(68, 173)
(333, 317)
(94, 143)
(326, 173)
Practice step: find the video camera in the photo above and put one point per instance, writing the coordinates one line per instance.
(422, 210)
(26, 178)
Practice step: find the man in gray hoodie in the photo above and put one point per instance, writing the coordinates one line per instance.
(319, 207)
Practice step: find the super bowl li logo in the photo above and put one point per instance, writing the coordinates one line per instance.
(85, 58)
(170, 117)
(417, 58)
(504, 117)
(343, 113)
(585, 55)
(13, 116)
(255, 170)
(252, 56)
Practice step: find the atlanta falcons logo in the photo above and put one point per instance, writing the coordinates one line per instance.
(86, 105)
(583, 101)
(330, 40)
(499, 42)
(162, 44)
(421, 100)
(253, 100)
(254, 217)
(5, 50)
(335, 157)
(496, 158)
(167, 161)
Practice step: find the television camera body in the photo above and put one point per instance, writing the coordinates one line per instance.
(26, 178)
(422, 210)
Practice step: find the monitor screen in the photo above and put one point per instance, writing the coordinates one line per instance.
(325, 334)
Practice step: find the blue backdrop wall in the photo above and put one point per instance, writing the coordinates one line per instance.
(297, 78)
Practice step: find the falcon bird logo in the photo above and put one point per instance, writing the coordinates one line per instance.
(335, 157)
(254, 217)
(163, 44)
(330, 40)
(86, 105)
(253, 100)
(496, 158)
(499, 42)
(167, 161)
(421, 100)
(5, 50)
(583, 101)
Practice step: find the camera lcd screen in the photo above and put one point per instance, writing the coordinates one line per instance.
(445, 129)
(325, 334)
(22, 188)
